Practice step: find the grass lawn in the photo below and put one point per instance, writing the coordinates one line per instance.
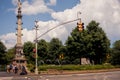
(76, 67)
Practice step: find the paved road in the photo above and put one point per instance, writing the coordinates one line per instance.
(115, 75)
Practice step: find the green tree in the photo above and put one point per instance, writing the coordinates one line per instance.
(28, 51)
(2, 53)
(54, 48)
(70, 49)
(99, 43)
(9, 55)
(91, 43)
(42, 50)
(115, 55)
(76, 46)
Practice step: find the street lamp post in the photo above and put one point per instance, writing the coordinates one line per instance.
(36, 56)
(36, 39)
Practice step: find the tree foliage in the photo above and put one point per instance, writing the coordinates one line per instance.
(28, 51)
(99, 42)
(115, 54)
(76, 45)
(91, 43)
(42, 50)
(2, 53)
(54, 48)
(9, 55)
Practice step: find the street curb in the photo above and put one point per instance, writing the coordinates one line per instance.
(63, 72)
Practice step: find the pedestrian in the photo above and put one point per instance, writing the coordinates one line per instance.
(9, 68)
(16, 69)
(24, 72)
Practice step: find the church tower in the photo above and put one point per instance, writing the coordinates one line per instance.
(19, 55)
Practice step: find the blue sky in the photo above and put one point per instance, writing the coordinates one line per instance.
(50, 13)
(8, 16)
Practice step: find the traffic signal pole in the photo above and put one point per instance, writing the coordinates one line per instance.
(78, 18)
(80, 28)
(58, 26)
(36, 55)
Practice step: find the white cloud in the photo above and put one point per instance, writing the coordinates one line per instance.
(9, 40)
(107, 13)
(29, 35)
(49, 25)
(35, 7)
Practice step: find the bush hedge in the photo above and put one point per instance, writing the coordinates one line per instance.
(76, 67)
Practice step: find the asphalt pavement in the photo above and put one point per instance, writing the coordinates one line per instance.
(114, 75)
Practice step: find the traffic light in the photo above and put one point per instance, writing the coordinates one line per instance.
(80, 26)
(34, 53)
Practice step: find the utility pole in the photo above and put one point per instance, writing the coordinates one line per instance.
(36, 55)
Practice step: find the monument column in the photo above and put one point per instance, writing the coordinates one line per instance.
(19, 56)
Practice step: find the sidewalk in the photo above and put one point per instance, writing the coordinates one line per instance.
(6, 78)
(58, 72)
(5, 74)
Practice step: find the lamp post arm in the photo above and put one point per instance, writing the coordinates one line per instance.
(57, 26)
